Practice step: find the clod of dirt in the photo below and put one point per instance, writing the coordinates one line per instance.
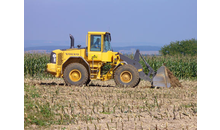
(173, 80)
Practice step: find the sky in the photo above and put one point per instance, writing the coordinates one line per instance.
(130, 22)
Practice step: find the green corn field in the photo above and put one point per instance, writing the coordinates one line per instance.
(183, 67)
(35, 64)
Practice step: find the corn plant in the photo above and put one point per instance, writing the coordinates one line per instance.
(35, 64)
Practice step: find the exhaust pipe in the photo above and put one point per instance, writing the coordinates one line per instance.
(72, 41)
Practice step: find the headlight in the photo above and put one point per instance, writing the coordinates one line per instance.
(53, 57)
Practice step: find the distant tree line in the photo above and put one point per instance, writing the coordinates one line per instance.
(184, 47)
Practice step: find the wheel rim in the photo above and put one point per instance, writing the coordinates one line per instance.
(75, 75)
(126, 76)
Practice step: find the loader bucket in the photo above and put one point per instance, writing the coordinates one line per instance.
(161, 79)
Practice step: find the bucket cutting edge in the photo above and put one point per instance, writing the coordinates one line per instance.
(161, 79)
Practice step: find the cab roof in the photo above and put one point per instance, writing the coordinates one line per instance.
(91, 32)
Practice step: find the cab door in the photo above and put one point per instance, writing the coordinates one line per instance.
(107, 52)
(95, 47)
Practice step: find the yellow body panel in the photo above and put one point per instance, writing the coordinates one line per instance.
(51, 68)
(96, 56)
(73, 53)
(107, 56)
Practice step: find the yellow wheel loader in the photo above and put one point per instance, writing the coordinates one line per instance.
(80, 65)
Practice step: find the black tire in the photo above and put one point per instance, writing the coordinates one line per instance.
(75, 74)
(126, 75)
(138, 82)
(88, 81)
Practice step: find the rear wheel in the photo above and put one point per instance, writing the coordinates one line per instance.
(126, 75)
(75, 74)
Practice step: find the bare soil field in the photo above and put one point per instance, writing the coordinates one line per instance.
(49, 104)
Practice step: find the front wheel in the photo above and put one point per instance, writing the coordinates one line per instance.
(75, 74)
(126, 75)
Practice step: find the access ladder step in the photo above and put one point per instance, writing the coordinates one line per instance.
(94, 70)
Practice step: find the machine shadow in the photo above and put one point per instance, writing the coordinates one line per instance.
(63, 84)
(52, 84)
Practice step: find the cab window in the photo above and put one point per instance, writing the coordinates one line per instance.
(107, 45)
(95, 43)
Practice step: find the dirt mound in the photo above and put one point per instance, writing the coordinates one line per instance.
(173, 80)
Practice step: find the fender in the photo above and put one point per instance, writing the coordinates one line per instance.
(85, 63)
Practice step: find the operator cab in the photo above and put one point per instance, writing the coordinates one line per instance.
(99, 46)
(96, 42)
